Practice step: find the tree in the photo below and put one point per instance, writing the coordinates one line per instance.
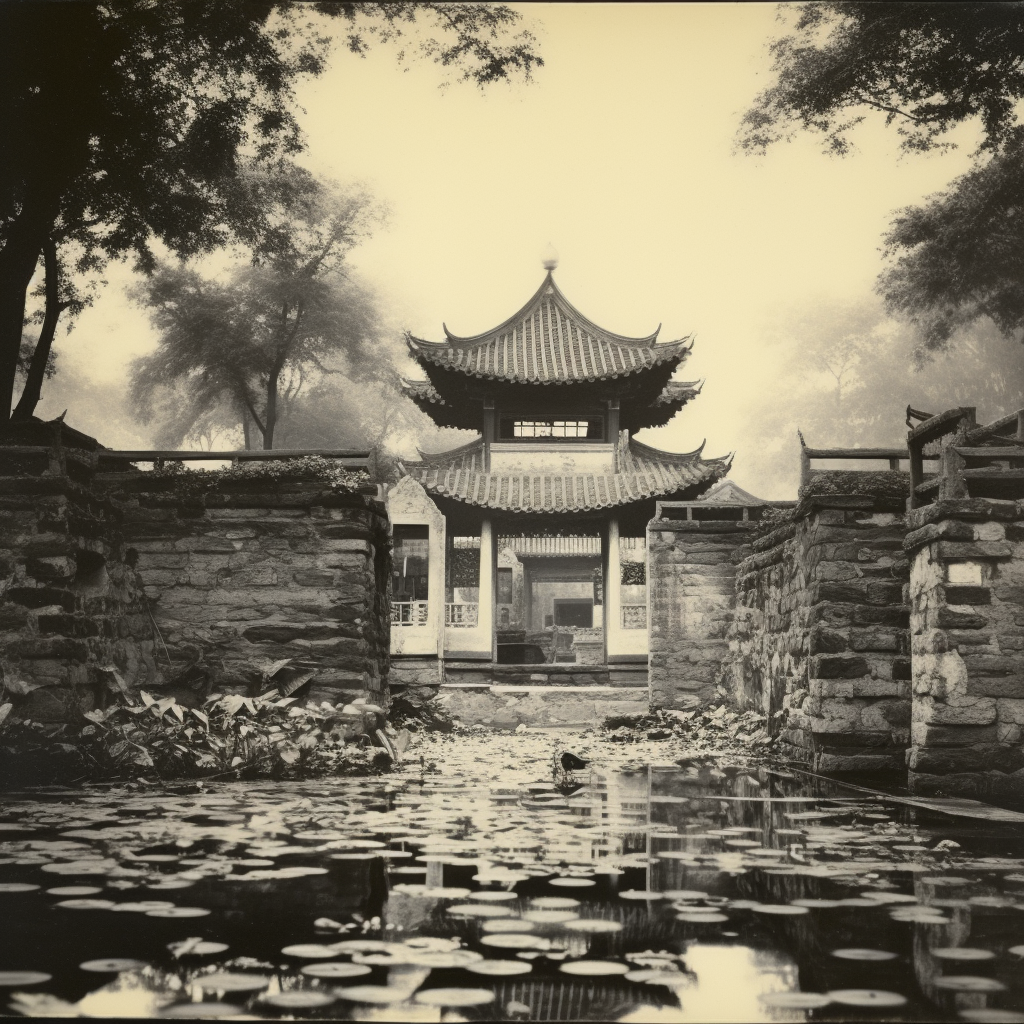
(959, 258)
(126, 122)
(927, 67)
(253, 341)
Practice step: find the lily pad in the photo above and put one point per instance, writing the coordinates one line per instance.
(18, 887)
(300, 999)
(507, 924)
(515, 940)
(74, 890)
(701, 917)
(990, 1015)
(378, 994)
(554, 902)
(227, 982)
(963, 953)
(112, 965)
(795, 1000)
(500, 968)
(197, 947)
(310, 951)
(178, 912)
(86, 904)
(478, 910)
(781, 909)
(336, 969)
(15, 979)
(969, 983)
(142, 907)
(593, 925)
(866, 997)
(594, 968)
(455, 996)
(864, 954)
(493, 896)
(572, 883)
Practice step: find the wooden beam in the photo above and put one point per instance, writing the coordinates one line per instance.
(991, 453)
(353, 455)
(943, 423)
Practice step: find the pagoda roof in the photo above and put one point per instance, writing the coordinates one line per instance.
(642, 473)
(635, 416)
(548, 341)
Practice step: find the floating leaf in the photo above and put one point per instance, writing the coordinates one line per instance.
(335, 969)
(594, 968)
(701, 917)
(86, 904)
(969, 983)
(866, 997)
(15, 979)
(196, 947)
(178, 912)
(795, 1000)
(455, 996)
(864, 954)
(74, 890)
(478, 910)
(18, 887)
(593, 925)
(515, 940)
(381, 994)
(310, 951)
(554, 902)
(990, 1015)
(226, 982)
(962, 953)
(500, 968)
(572, 883)
(300, 999)
(112, 965)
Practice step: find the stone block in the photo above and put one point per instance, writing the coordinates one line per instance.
(827, 641)
(949, 619)
(978, 758)
(314, 578)
(950, 550)
(894, 615)
(1010, 709)
(877, 639)
(958, 594)
(972, 711)
(996, 686)
(838, 666)
(925, 734)
(893, 761)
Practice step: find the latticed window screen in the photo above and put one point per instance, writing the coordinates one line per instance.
(511, 427)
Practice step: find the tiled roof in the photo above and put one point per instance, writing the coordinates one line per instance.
(669, 401)
(643, 473)
(548, 341)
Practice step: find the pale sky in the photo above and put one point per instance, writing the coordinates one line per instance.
(621, 154)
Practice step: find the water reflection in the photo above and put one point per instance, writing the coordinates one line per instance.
(691, 894)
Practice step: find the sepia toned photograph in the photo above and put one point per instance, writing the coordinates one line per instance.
(512, 512)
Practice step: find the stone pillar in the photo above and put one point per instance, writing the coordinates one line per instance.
(612, 591)
(488, 585)
(967, 644)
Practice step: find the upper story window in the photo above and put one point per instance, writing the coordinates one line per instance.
(590, 428)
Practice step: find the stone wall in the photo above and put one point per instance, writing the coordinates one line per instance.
(184, 583)
(820, 636)
(74, 627)
(252, 572)
(967, 632)
(691, 589)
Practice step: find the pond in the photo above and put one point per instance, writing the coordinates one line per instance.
(667, 894)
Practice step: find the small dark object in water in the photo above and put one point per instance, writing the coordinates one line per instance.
(563, 771)
(571, 763)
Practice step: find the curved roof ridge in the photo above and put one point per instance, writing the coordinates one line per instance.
(650, 452)
(451, 454)
(567, 307)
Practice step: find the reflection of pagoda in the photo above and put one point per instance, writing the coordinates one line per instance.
(555, 484)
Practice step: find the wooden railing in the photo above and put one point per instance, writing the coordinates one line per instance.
(974, 460)
(894, 456)
(409, 613)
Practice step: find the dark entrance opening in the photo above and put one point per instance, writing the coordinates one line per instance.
(569, 612)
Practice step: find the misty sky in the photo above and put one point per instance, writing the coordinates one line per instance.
(621, 154)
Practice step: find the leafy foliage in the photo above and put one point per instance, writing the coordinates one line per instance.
(417, 708)
(233, 735)
(960, 257)
(132, 118)
(249, 344)
(308, 467)
(889, 484)
(715, 729)
(926, 67)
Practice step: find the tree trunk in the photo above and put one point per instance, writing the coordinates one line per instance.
(18, 259)
(245, 431)
(271, 416)
(33, 389)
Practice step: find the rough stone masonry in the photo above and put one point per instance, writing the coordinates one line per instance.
(184, 582)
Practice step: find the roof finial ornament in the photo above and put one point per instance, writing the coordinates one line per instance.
(549, 257)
